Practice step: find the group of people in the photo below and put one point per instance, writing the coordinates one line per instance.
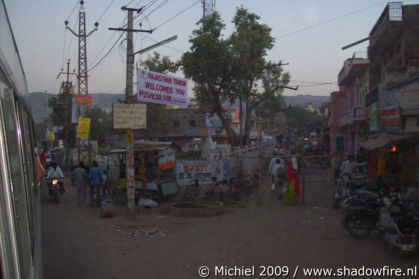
(285, 175)
(95, 178)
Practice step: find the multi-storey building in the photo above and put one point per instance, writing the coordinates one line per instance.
(393, 51)
(347, 109)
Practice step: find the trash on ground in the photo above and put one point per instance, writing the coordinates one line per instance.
(147, 203)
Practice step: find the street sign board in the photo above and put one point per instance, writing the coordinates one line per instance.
(129, 116)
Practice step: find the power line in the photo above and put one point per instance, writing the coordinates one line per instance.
(181, 12)
(319, 84)
(149, 4)
(72, 11)
(315, 82)
(106, 9)
(108, 53)
(329, 20)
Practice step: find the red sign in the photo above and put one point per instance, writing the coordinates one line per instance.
(82, 99)
(390, 118)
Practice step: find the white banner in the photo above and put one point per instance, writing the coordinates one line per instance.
(159, 88)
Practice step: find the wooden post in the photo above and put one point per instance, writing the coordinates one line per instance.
(260, 165)
(303, 186)
(332, 173)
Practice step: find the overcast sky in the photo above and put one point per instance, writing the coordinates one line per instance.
(309, 36)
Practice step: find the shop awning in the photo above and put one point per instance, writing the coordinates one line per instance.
(382, 140)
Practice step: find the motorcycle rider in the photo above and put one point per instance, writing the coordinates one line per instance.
(55, 172)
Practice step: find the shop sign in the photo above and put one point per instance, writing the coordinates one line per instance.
(58, 129)
(51, 136)
(83, 128)
(82, 99)
(390, 118)
(129, 116)
(191, 133)
(167, 159)
(213, 156)
(212, 120)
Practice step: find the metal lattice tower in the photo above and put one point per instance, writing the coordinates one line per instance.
(208, 7)
(82, 80)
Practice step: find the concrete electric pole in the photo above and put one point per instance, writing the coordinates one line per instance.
(129, 98)
(66, 96)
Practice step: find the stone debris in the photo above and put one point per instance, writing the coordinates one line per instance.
(151, 232)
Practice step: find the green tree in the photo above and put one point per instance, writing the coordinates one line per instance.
(227, 70)
(156, 113)
(100, 123)
(302, 120)
(323, 107)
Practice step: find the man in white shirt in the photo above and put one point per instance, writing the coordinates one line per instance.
(277, 172)
(55, 172)
(347, 166)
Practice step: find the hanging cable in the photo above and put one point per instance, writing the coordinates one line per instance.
(72, 11)
(178, 14)
(106, 9)
(329, 20)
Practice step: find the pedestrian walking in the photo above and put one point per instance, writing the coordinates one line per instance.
(292, 177)
(80, 179)
(278, 173)
(96, 181)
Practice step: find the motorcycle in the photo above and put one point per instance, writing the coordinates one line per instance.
(345, 185)
(55, 188)
(387, 214)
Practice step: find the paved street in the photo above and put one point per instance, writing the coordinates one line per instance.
(79, 244)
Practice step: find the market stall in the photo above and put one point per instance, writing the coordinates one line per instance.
(154, 164)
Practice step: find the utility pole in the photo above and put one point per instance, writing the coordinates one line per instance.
(82, 76)
(129, 98)
(66, 96)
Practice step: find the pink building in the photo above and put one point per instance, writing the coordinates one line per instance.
(345, 107)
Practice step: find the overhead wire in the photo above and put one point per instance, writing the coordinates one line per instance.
(72, 11)
(106, 9)
(181, 12)
(329, 20)
(110, 51)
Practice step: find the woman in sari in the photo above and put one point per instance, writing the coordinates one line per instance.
(292, 177)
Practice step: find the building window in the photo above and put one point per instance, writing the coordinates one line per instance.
(175, 124)
(192, 123)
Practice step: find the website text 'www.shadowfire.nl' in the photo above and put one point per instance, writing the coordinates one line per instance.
(284, 271)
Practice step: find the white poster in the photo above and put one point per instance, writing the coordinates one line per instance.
(159, 88)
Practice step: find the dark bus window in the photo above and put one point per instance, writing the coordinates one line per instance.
(12, 135)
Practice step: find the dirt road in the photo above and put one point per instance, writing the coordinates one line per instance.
(79, 244)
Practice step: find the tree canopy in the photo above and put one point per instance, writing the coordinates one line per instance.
(232, 69)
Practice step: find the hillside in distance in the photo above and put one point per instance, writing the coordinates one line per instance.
(40, 109)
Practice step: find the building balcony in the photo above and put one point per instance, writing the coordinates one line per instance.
(345, 118)
(353, 67)
(359, 114)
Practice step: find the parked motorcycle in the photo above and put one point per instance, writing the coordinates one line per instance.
(385, 213)
(55, 188)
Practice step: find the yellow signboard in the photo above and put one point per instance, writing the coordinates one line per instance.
(51, 136)
(83, 128)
